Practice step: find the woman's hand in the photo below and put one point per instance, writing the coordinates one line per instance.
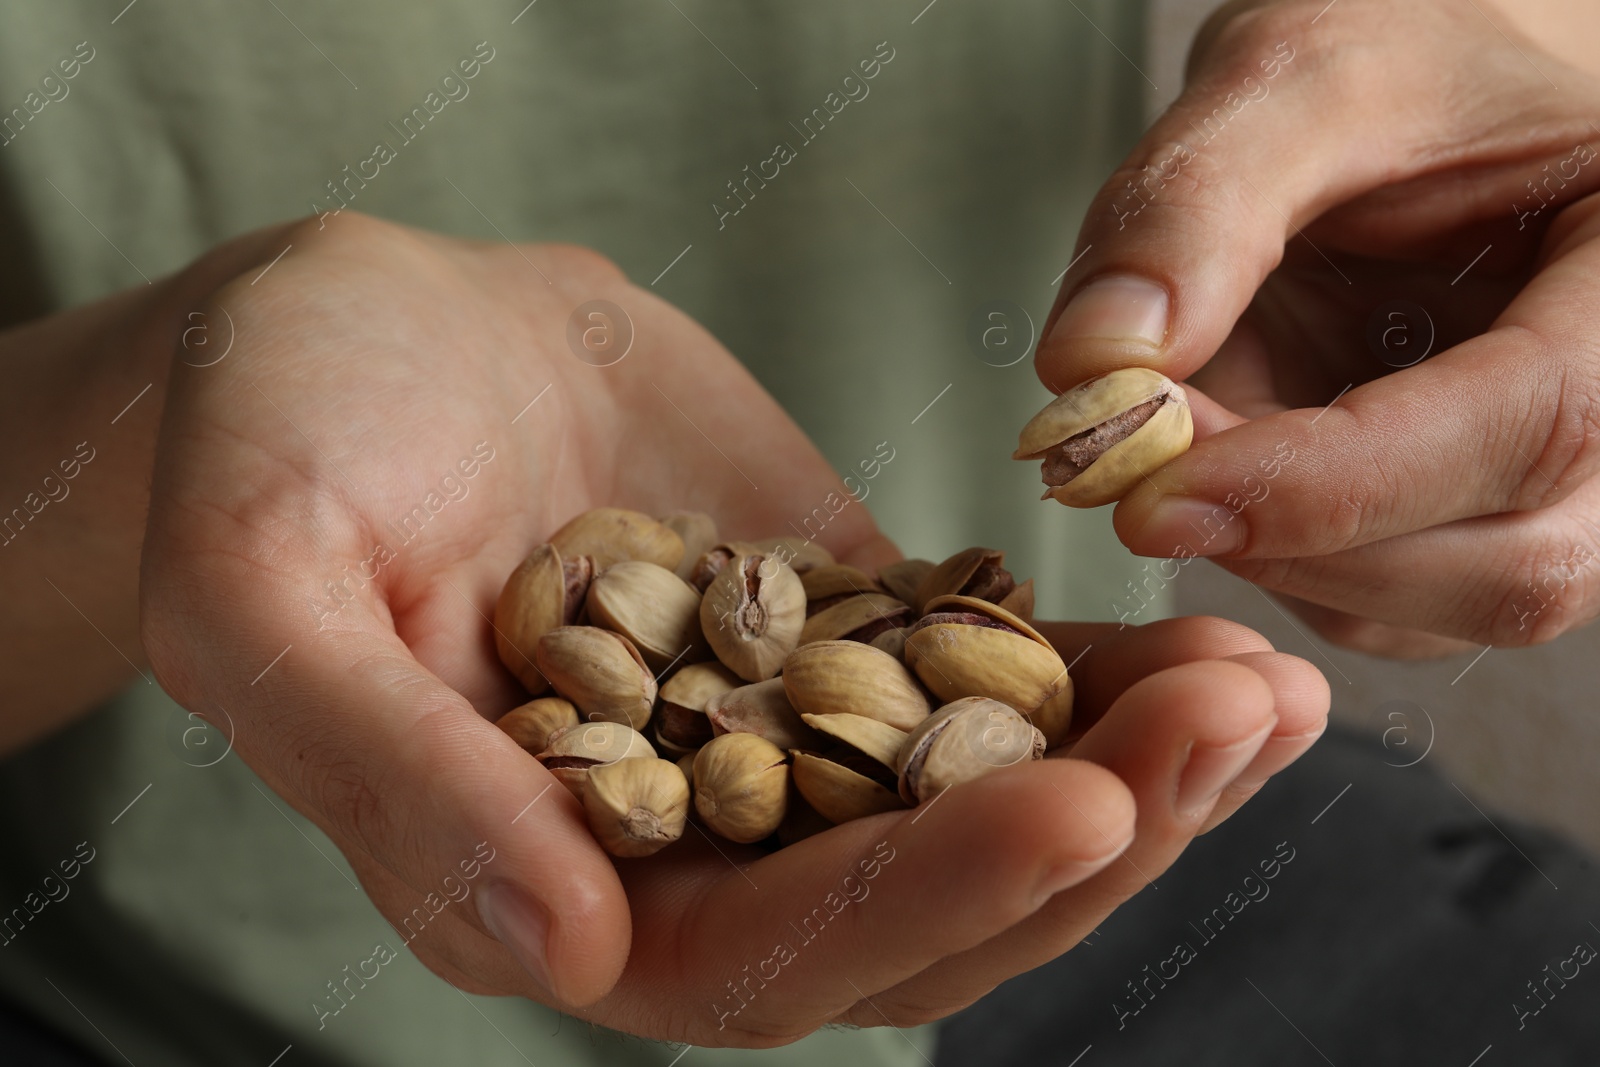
(1342, 189)
(371, 429)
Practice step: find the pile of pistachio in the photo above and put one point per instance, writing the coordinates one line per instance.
(781, 691)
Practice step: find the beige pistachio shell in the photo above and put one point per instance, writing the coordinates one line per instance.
(839, 794)
(681, 724)
(532, 603)
(697, 531)
(611, 535)
(712, 560)
(954, 574)
(652, 607)
(800, 554)
(964, 740)
(533, 724)
(763, 709)
(741, 786)
(685, 764)
(869, 736)
(956, 660)
(1125, 464)
(892, 642)
(836, 579)
(838, 621)
(1020, 601)
(903, 578)
(636, 807)
(600, 672)
(848, 677)
(573, 752)
(752, 615)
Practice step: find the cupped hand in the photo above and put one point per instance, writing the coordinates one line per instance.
(334, 508)
(1342, 190)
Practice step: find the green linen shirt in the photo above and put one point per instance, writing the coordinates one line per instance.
(870, 204)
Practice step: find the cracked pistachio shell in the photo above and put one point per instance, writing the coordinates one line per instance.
(611, 535)
(741, 786)
(877, 611)
(836, 579)
(680, 721)
(975, 572)
(652, 607)
(697, 531)
(892, 642)
(904, 577)
(600, 672)
(763, 709)
(636, 807)
(800, 554)
(958, 658)
(1122, 466)
(575, 751)
(544, 592)
(752, 615)
(712, 560)
(1020, 601)
(534, 723)
(838, 793)
(869, 736)
(963, 740)
(848, 677)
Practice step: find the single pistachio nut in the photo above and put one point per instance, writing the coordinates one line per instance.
(611, 535)
(741, 786)
(1101, 439)
(833, 677)
(575, 751)
(712, 560)
(600, 672)
(533, 724)
(966, 647)
(763, 709)
(976, 572)
(965, 739)
(849, 787)
(546, 590)
(652, 607)
(861, 617)
(752, 615)
(870, 737)
(903, 578)
(697, 531)
(681, 722)
(685, 764)
(892, 642)
(1019, 601)
(636, 807)
(801, 554)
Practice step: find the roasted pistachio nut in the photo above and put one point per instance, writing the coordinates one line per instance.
(652, 607)
(762, 709)
(903, 578)
(741, 786)
(977, 572)
(834, 677)
(546, 590)
(575, 751)
(839, 791)
(1019, 601)
(636, 806)
(965, 647)
(713, 559)
(752, 615)
(681, 722)
(870, 737)
(600, 672)
(860, 617)
(892, 642)
(965, 739)
(534, 723)
(611, 535)
(1099, 440)
(697, 531)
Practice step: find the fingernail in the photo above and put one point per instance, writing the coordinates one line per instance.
(1275, 755)
(1075, 872)
(521, 924)
(1209, 771)
(1118, 307)
(1186, 526)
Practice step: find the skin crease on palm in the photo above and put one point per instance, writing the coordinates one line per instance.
(1431, 508)
(395, 352)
